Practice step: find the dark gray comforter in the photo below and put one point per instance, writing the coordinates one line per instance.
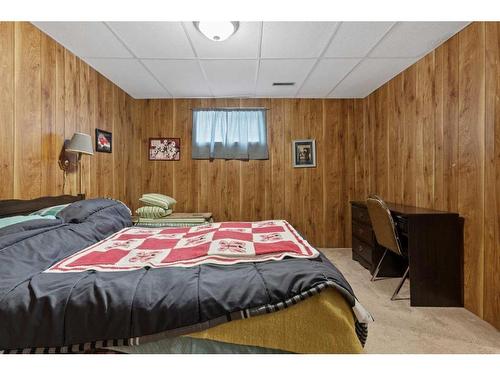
(39, 310)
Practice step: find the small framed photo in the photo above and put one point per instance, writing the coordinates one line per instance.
(103, 141)
(304, 153)
(168, 149)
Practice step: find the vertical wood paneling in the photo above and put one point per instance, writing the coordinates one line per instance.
(180, 177)
(71, 90)
(438, 180)
(50, 133)
(370, 149)
(471, 160)
(46, 94)
(317, 188)
(380, 157)
(7, 140)
(315, 200)
(410, 131)
(425, 132)
(350, 167)
(27, 112)
(392, 143)
(277, 149)
(91, 189)
(398, 126)
(450, 122)
(491, 298)
(105, 109)
(446, 155)
(344, 218)
(332, 173)
(357, 134)
(84, 119)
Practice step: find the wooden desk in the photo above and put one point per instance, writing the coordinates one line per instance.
(433, 242)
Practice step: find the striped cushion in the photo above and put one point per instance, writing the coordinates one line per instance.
(152, 212)
(50, 211)
(159, 200)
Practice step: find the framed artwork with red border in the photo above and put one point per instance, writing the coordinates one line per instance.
(164, 149)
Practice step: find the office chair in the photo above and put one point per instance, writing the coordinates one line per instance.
(386, 234)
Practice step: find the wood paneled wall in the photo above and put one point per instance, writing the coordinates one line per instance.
(314, 200)
(431, 138)
(46, 94)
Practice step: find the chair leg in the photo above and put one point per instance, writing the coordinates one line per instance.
(374, 277)
(400, 284)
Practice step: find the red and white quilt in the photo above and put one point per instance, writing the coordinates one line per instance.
(217, 243)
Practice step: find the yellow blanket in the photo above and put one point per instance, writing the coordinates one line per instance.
(323, 323)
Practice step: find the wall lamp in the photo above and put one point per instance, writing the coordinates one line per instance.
(79, 144)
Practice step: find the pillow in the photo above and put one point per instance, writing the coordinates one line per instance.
(6, 221)
(152, 212)
(50, 211)
(159, 200)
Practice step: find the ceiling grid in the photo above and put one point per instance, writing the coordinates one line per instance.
(324, 59)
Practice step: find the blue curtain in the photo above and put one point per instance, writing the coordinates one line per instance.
(229, 134)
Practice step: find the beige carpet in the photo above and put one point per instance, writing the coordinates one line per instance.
(399, 328)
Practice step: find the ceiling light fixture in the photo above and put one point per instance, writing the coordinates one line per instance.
(217, 31)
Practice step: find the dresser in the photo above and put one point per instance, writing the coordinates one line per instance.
(434, 251)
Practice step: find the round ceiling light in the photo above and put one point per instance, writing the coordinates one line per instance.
(217, 31)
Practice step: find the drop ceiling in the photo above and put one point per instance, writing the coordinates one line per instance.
(324, 59)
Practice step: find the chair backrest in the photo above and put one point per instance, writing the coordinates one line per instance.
(383, 224)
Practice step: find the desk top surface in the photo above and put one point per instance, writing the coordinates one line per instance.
(407, 210)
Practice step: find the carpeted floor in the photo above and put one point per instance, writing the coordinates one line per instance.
(399, 328)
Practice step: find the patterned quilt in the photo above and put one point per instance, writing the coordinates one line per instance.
(217, 243)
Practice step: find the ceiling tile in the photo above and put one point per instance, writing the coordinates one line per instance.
(130, 76)
(244, 44)
(231, 77)
(282, 71)
(414, 39)
(154, 39)
(182, 78)
(85, 39)
(295, 39)
(369, 75)
(327, 74)
(356, 39)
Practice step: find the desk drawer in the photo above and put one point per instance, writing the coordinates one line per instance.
(363, 232)
(360, 214)
(362, 249)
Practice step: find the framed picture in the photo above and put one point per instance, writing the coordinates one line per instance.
(164, 149)
(103, 141)
(304, 153)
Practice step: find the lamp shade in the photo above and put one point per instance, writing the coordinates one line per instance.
(81, 143)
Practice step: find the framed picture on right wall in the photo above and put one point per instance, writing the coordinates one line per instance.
(304, 153)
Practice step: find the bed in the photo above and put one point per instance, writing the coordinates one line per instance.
(59, 293)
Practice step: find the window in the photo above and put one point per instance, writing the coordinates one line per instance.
(229, 134)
